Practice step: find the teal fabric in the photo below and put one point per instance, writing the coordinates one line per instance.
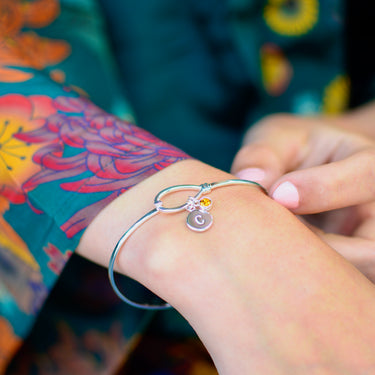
(76, 175)
(81, 25)
(182, 74)
(315, 57)
(193, 71)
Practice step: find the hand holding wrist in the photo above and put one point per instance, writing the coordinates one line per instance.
(251, 285)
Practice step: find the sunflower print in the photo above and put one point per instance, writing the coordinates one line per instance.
(291, 17)
(336, 95)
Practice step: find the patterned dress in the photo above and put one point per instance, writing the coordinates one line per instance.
(74, 77)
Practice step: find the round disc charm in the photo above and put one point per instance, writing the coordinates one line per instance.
(199, 221)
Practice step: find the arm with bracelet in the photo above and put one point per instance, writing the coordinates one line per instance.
(263, 293)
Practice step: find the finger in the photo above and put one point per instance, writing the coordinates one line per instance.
(327, 187)
(274, 146)
(366, 229)
(260, 163)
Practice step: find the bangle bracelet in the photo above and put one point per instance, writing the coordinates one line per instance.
(198, 220)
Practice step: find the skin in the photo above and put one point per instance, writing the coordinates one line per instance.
(330, 161)
(271, 300)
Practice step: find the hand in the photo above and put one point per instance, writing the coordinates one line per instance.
(264, 293)
(312, 165)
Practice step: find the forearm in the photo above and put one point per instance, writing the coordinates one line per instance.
(267, 297)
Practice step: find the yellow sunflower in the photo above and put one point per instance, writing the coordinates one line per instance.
(20, 114)
(291, 17)
(336, 95)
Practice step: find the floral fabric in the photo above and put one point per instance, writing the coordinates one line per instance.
(62, 160)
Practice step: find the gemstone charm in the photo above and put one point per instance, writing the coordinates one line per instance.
(205, 203)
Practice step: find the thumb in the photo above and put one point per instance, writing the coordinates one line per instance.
(327, 187)
(259, 163)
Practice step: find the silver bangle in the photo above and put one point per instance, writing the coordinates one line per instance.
(198, 219)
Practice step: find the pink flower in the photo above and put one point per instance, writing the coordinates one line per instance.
(101, 152)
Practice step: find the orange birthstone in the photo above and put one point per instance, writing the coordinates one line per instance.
(205, 202)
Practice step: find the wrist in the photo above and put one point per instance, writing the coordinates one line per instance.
(164, 248)
(102, 234)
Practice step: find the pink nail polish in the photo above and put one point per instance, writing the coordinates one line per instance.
(287, 195)
(252, 174)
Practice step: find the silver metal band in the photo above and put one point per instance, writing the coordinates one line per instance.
(199, 220)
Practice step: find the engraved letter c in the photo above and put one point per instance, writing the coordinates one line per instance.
(199, 219)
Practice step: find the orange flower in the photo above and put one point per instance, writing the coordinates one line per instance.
(27, 49)
(40, 13)
(18, 114)
(9, 343)
(11, 18)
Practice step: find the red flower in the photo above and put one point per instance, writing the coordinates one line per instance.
(57, 258)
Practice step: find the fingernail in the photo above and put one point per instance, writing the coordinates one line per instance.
(287, 195)
(252, 174)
